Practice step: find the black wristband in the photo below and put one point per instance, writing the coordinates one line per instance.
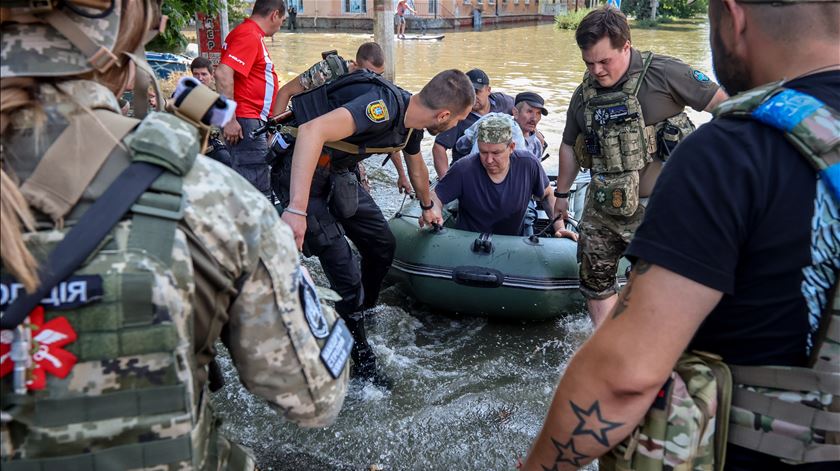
(557, 194)
(430, 206)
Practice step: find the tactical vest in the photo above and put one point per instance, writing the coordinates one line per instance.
(617, 143)
(792, 413)
(321, 100)
(112, 384)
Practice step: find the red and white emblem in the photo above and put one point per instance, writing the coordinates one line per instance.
(48, 354)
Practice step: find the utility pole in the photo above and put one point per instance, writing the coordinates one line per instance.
(223, 20)
(383, 33)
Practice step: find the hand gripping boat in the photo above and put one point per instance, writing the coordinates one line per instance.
(504, 277)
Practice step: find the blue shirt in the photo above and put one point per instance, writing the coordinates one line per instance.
(533, 145)
(486, 206)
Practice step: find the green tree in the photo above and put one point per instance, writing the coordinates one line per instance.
(181, 13)
(683, 8)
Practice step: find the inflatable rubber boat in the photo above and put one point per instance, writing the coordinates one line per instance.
(498, 276)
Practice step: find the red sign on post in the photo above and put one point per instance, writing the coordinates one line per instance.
(209, 37)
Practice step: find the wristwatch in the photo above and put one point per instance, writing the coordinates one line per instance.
(430, 206)
(557, 194)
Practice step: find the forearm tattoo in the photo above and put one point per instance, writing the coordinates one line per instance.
(639, 268)
(590, 422)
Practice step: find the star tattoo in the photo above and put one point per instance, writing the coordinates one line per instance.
(566, 452)
(592, 423)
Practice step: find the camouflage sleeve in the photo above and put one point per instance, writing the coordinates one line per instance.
(272, 345)
(325, 71)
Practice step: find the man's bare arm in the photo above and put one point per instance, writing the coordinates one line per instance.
(612, 380)
(224, 80)
(719, 96)
(440, 160)
(232, 131)
(418, 173)
(285, 94)
(402, 179)
(333, 126)
(567, 168)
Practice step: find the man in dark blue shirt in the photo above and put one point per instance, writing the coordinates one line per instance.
(737, 256)
(493, 187)
(486, 101)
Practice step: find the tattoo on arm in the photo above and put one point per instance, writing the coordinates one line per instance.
(639, 268)
(590, 422)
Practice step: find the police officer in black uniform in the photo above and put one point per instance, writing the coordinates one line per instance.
(335, 126)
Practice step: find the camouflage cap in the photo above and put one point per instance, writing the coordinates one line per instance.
(40, 50)
(495, 130)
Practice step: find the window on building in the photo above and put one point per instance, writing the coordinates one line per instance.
(467, 2)
(297, 4)
(354, 6)
(491, 2)
(433, 6)
(516, 2)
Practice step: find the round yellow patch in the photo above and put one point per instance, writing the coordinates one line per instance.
(377, 111)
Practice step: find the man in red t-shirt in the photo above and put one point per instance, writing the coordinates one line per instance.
(247, 74)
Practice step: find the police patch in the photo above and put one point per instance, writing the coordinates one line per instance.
(312, 308)
(377, 112)
(700, 76)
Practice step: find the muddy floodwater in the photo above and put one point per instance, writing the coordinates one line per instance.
(469, 394)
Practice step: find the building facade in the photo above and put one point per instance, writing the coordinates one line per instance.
(432, 14)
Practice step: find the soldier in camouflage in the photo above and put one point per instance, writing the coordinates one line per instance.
(723, 351)
(117, 374)
(623, 120)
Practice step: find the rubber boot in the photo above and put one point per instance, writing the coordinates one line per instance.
(364, 360)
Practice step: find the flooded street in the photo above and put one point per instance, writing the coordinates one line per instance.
(469, 394)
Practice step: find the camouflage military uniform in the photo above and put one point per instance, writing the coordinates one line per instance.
(664, 86)
(234, 265)
(133, 395)
(325, 71)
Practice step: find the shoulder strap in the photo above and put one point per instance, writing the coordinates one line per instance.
(634, 83)
(61, 177)
(85, 237)
(161, 142)
(809, 124)
(354, 149)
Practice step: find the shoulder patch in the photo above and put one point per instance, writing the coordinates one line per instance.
(377, 112)
(700, 76)
(312, 307)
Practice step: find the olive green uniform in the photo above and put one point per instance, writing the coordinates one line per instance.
(667, 86)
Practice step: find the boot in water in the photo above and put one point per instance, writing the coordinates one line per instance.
(364, 360)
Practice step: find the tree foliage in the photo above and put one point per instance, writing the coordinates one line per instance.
(181, 13)
(641, 9)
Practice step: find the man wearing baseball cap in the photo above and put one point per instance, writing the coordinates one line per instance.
(486, 101)
(528, 109)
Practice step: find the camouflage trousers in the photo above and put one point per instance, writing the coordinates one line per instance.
(601, 243)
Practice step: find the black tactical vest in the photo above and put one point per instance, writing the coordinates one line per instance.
(330, 96)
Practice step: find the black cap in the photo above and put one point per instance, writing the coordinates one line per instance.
(532, 99)
(478, 78)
